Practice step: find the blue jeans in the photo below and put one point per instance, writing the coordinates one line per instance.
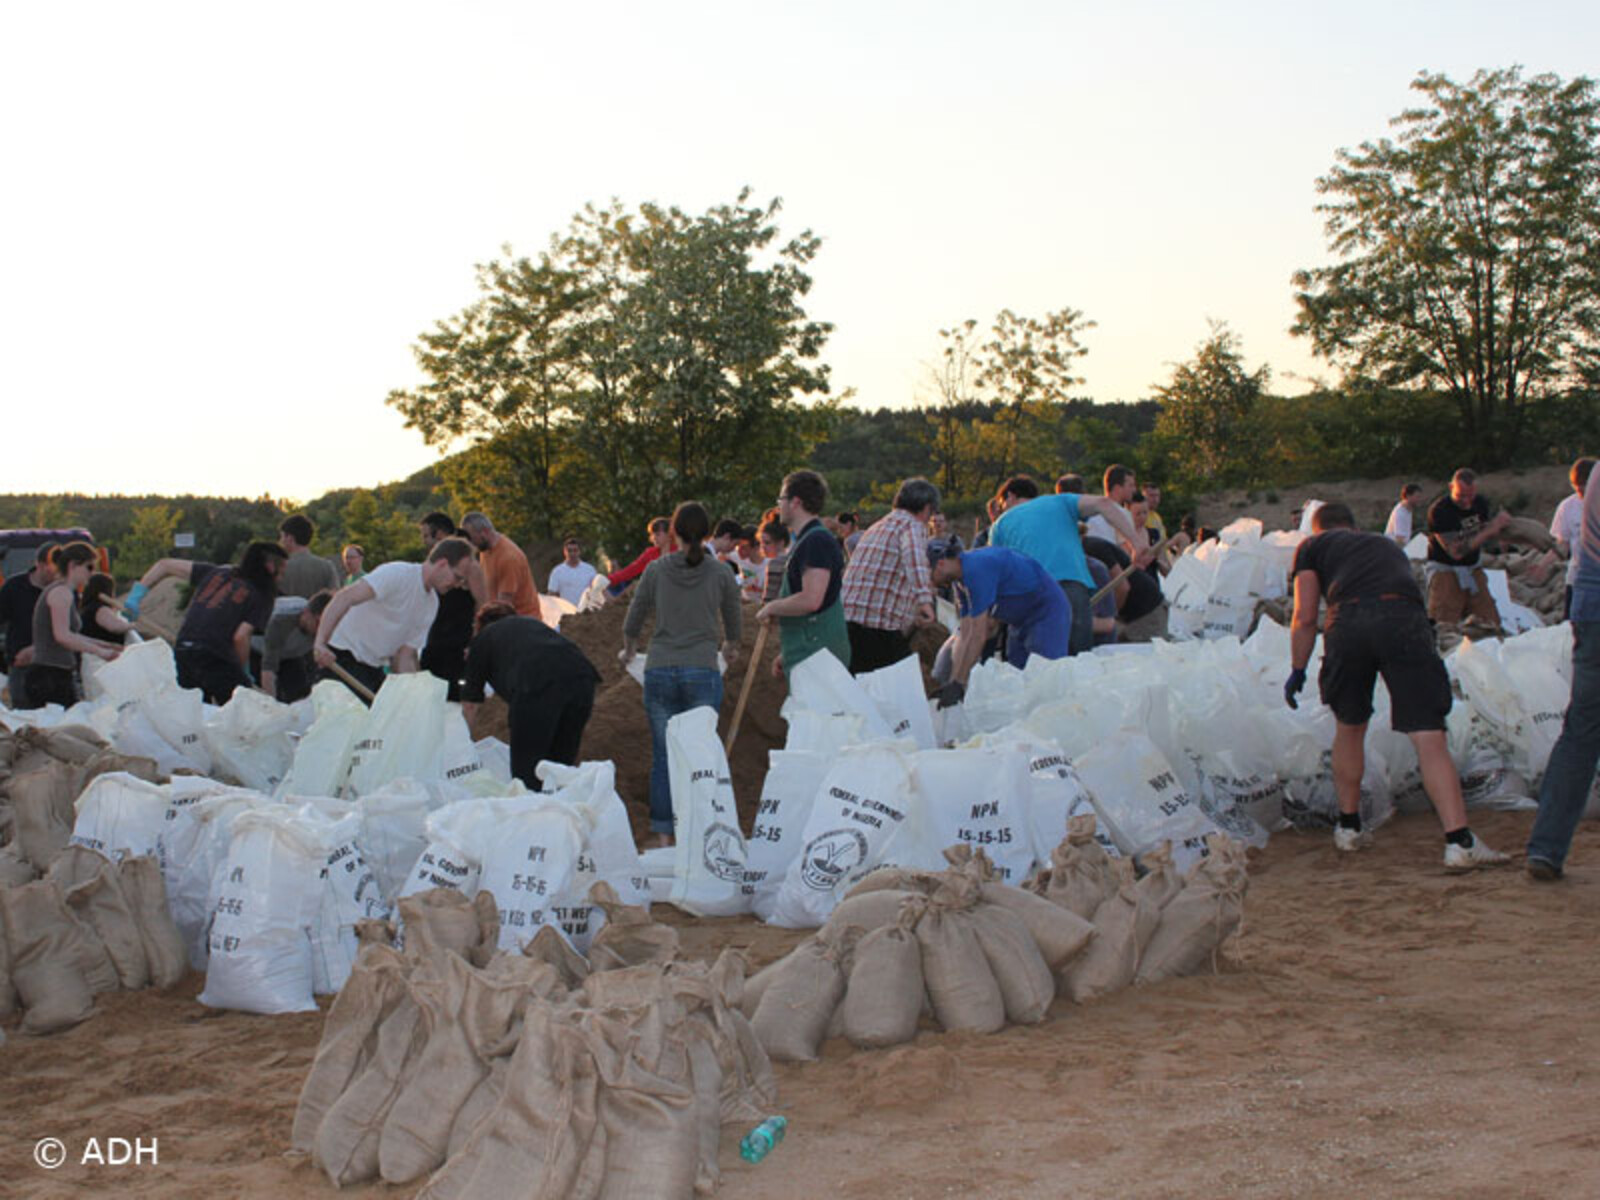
(1082, 616)
(1570, 775)
(669, 691)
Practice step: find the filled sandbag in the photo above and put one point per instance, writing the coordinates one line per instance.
(1026, 984)
(346, 1144)
(709, 850)
(797, 1003)
(42, 938)
(41, 801)
(867, 911)
(1081, 875)
(8, 991)
(1161, 880)
(441, 922)
(884, 992)
(376, 986)
(1060, 933)
(92, 888)
(164, 948)
(629, 937)
(899, 879)
(120, 814)
(1199, 918)
(961, 986)
(1124, 924)
(14, 869)
(787, 795)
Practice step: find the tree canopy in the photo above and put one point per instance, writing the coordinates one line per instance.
(644, 358)
(1469, 251)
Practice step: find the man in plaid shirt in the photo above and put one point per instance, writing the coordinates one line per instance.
(888, 587)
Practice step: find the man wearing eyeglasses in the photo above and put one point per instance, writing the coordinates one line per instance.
(385, 616)
(809, 615)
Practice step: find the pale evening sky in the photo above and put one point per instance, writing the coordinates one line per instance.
(225, 224)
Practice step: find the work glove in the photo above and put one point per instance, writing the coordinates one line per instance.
(135, 598)
(952, 694)
(1292, 686)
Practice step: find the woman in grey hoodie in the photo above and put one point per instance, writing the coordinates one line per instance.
(687, 591)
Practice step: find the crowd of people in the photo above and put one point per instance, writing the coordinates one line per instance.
(1050, 575)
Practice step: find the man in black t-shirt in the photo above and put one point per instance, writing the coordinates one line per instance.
(1458, 526)
(1141, 609)
(18, 597)
(1375, 626)
(445, 653)
(227, 606)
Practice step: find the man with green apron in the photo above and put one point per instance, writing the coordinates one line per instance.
(808, 612)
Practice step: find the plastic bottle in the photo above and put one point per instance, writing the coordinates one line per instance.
(758, 1143)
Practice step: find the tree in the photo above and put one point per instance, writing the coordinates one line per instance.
(149, 537)
(384, 534)
(1208, 421)
(1470, 250)
(645, 358)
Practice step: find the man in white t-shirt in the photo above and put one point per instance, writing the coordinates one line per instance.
(1567, 525)
(1119, 486)
(572, 575)
(1399, 528)
(384, 616)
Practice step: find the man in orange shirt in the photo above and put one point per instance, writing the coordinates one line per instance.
(505, 566)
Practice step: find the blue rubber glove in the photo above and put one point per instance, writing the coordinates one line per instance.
(135, 598)
(1292, 686)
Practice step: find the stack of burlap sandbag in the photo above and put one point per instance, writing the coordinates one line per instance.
(91, 925)
(1148, 927)
(975, 952)
(540, 1073)
(42, 773)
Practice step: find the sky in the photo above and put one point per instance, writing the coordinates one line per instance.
(224, 226)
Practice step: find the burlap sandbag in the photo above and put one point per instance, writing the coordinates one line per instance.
(441, 921)
(1026, 984)
(463, 1010)
(548, 946)
(629, 937)
(895, 879)
(1081, 875)
(1161, 881)
(798, 1001)
(8, 991)
(43, 941)
(1124, 924)
(164, 948)
(1198, 920)
(1060, 933)
(481, 1103)
(376, 986)
(648, 1113)
(375, 931)
(884, 995)
(346, 1143)
(97, 898)
(749, 1089)
(869, 910)
(540, 1140)
(42, 804)
(964, 992)
(75, 744)
(14, 869)
(107, 761)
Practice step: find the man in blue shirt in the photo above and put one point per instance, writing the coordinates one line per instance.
(1045, 528)
(1570, 775)
(1000, 585)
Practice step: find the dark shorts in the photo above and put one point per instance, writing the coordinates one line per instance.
(1391, 638)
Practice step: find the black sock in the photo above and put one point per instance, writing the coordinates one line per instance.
(1459, 837)
(1350, 821)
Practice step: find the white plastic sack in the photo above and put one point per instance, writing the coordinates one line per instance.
(496, 758)
(1056, 793)
(266, 898)
(901, 700)
(199, 827)
(248, 738)
(1140, 800)
(787, 795)
(971, 797)
(711, 851)
(348, 893)
(393, 832)
(403, 734)
(589, 792)
(322, 757)
(529, 866)
(121, 816)
(822, 684)
(861, 806)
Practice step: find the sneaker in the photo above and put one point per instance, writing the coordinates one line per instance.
(1469, 857)
(1543, 870)
(1348, 840)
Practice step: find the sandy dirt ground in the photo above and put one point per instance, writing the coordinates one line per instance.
(1378, 1028)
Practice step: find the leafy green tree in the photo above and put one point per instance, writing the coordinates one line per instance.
(646, 357)
(1209, 420)
(1469, 250)
(149, 537)
(384, 534)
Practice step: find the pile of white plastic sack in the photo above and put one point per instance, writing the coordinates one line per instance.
(1173, 741)
(979, 954)
(531, 1073)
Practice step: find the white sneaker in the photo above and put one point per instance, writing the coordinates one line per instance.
(1470, 857)
(1348, 840)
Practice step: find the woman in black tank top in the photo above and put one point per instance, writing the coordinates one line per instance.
(102, 621)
